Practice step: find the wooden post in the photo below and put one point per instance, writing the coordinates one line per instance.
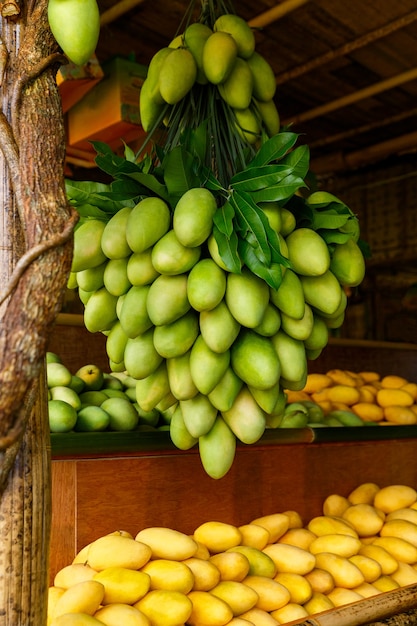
(35, 256)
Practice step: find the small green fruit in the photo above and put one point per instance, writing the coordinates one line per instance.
(75, 24)
(62, 416)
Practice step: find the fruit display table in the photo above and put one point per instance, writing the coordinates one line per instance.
(146, 481)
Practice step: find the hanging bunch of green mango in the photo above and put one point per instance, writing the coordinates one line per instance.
(212, 270)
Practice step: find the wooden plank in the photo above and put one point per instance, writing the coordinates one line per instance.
(63, 523)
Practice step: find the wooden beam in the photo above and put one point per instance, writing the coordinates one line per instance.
(117, 10)
(276, 12)
(340, 161)
(347, 48)
(357, 96)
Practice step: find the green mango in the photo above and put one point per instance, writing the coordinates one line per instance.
(206, 285)
(178, 432)
(113, 239)
(271, 321)
(133, 315)
(148, 221)
(177, 75)
(291, 355)
(153, 388)
(247, 297)
(151, 106)
(115, 277)
(154, 70)
(298, 329)
(240, 30)
(346, 418)
(219, 328)
(170, 256)
(224, 393)
(348, 264)
(269, 116)
(217, 449)
(198, 414)
(219, 56)
(140, 270)
(323, 293)
(288, 222)
(266, 398)
(193, 216)
(294, 419)
(319, 336)
(308, 252)
(289, 297)
(255, 360)
(264, 83)
(141, 357)
(87, 245)
(100, 311)
(195, 37)
(236, 90)
(179, 374)
(207, 367)
(260, 563)
(176, 338)
(75, 24)
(247, 124)
(116, 343)
(91, 279)
(245, 418)
(167, 299)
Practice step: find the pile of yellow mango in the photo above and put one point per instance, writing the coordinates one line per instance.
(272, 570)
(386, 400)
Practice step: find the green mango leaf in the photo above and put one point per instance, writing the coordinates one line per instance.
(280, 192)
(271, 274)
(228, 250)
(111, 163)
(179, 173)
(328, 220)
(208, 179)
(275, 148)
(85, 194)
(223, 219)
(149, 183)
(299, 160)
(334, 236)
(252, 223)
(256, 178)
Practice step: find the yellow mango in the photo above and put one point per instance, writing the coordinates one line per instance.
(385, 583)
(231, 565)
(167, 543)
(393, 381)
(326, 525)
(206, 574)
(72, 574)
(237, 595)
(318, 603)
(122, 585)
(394, 397)
(169, 575)
(83, 597)
(288, 613)
(260, 564)
(387, 562)
(271, 594)
(400, 528)
(275, 523)
(370, 568)
(368, 411)
(320, 581)
(335, 505)
(407, 513)
(300, 537)
(366, 590)
(54, 593)
(208, 609)
(400, 549)
(317, 382)
(295, 519)
(340, 596)
(165, 608)
(117, 614)
(364, 518)
(239, 621)
(402, 415)
(219, 56)
(117, 551)
(298, 586)
(75, 619)
(254, 535)
(405, 574)
(289, 558)
(364, 493)
(343, 393)
(394, 497)
(344, 572)
(259, 617)
(411, 388)
(343, 545)
(217, 536)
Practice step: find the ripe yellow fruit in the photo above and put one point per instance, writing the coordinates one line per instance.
(169, 575)
(276, 524)
(370, 568)
(394, 497)
(298, 586)
(344, 572)
(208, 609)
(254, 535)
(239, 596)
(73, 574)
(343, 545)
(165, 608)
(206, 574)
(117, 551)
(288, 558)
(116, 614)
(83, 597)
(271, 594)
(364, 518)
(232, 565)
(167, 543)
(217, 536)
(123, 585)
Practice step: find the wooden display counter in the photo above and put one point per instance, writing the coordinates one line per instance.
(96, 494)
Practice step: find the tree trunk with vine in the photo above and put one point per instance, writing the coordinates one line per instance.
(36, 228)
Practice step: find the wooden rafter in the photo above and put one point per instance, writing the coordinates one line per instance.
(347, 48)
(352, 98)
(276, 12)
(117, 10)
